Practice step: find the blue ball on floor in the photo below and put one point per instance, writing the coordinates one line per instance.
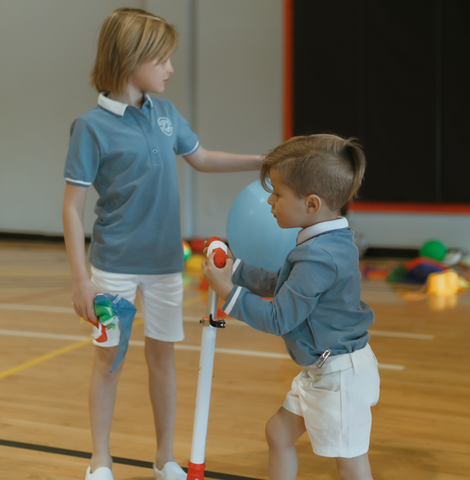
(253, 233)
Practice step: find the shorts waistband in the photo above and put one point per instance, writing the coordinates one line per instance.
(342, 362)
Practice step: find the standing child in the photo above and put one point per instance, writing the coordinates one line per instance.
(316, 306)
(126, 148)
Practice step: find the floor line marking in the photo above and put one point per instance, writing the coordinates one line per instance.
(42, 308)
(36, 308)
(49, 336)
(120, 460)
(415, 336)
(178, 346)
(51, 309)
(45, 357)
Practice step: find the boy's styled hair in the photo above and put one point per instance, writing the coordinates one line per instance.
(130, 37)
(325, 165)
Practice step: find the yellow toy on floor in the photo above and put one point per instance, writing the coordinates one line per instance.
(441, 289)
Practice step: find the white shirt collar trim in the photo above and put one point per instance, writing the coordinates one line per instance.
(116, 107)
(320, 228)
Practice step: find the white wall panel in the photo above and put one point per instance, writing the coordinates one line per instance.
(47, 49)
(411, 230)
(239, 75)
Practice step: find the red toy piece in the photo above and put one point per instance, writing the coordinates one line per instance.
(196, 471)
(104, 336)
(220, 256)
(412, 264)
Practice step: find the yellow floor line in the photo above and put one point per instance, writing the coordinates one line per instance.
(74, 346)
(43, 358)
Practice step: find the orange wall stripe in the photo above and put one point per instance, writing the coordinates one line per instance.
(407, 207)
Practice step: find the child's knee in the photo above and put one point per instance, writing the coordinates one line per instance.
(277, 433)
(284, 429)
(356, 468)
(104, 358)
(273, 432)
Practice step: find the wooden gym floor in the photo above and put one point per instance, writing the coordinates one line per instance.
(421, 425)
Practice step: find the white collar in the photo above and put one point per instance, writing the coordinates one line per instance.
(116, 107)
(320, 228)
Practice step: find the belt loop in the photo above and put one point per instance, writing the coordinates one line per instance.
(352, 363)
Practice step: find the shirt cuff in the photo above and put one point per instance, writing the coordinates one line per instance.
(231, 301)
(77, 182)
(235, 265)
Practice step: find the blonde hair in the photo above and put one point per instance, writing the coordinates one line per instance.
(325, 165)
(130, 37)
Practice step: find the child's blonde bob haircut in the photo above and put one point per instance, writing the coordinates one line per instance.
(130, 37)
(325, 165)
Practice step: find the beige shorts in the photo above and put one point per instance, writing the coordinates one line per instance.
(335, 401)
(161, 297)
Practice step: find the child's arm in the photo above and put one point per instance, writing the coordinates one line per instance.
(292, 305)
(84, 290)
(259, 281)
(210, 161)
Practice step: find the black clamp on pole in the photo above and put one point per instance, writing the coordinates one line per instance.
(217, 323)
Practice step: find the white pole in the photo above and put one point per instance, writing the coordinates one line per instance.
(196, 464)
(204, 385)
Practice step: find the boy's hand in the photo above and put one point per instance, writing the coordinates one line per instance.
(83, 295)
(219, 279)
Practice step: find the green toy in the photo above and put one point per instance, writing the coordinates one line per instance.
(434, 249)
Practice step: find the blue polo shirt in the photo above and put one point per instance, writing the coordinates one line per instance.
(128, 155)
(317, 295)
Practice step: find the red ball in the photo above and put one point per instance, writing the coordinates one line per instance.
(197, 244)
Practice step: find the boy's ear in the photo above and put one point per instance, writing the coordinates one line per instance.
(313, 203)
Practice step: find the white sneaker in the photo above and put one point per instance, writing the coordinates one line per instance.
(170, 471)
(102, 473)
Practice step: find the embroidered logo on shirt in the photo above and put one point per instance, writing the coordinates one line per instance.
(165, 125)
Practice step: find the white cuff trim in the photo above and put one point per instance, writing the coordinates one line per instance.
(191, 151)
(235, 265)
(71, 180)
(233, 301)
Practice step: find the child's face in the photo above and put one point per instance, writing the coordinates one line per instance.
(152, 77)
(288, 209)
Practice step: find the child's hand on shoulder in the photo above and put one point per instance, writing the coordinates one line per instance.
(219, 279)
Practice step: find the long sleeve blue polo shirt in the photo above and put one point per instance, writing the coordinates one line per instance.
(316, 295)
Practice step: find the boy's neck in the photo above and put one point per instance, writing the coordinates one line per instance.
(321, 217)
(130, 96)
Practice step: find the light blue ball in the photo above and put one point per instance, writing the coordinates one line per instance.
(253, 233)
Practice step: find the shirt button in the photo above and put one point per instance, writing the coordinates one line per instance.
(154, 151)
(149, 130)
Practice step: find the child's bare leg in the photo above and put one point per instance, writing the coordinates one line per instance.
(357, 468)
(160, 358)
(101, 400)
(282, 431)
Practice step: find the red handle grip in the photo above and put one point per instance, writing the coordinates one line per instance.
(220, 256)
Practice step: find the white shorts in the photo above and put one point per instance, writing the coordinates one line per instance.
(161, 297)
(335, 401)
